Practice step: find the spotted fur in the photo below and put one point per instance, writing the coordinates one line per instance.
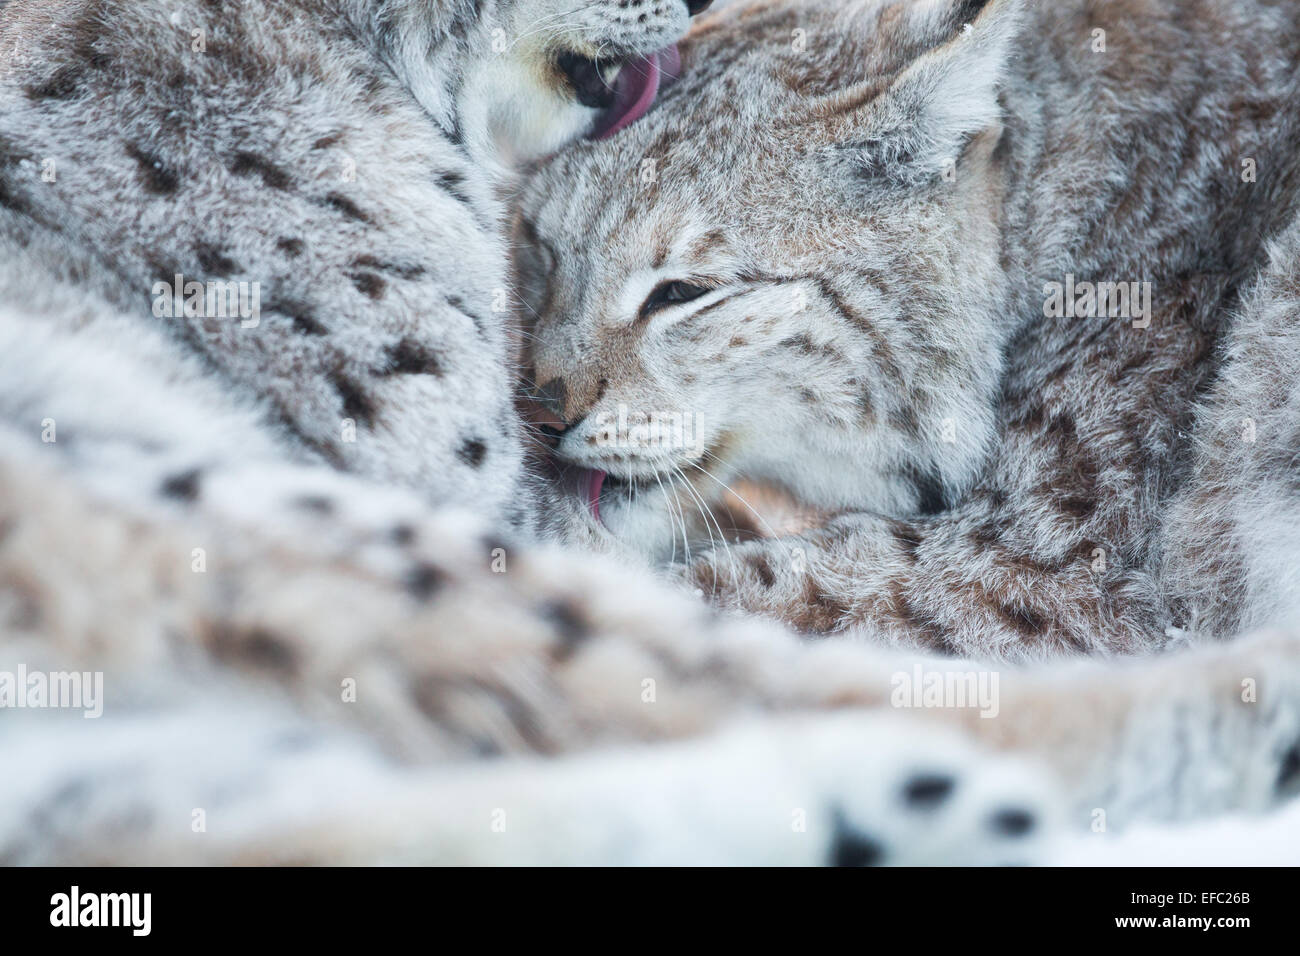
(452, 663)
(313, 645)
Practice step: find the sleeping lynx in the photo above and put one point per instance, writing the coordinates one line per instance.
(990, 284)
(294, 543)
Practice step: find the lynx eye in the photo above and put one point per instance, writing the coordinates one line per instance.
(672, 293)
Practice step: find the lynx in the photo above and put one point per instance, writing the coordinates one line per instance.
(850, 270)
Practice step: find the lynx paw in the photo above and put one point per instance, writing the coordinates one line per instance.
(897, 793)
(839, 790)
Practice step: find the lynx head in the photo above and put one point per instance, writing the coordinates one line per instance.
(789, 271)
(528, 76)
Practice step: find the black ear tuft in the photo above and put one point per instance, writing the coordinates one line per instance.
(889, 159)
(882, 158)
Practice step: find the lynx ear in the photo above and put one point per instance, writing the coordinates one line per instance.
(916, 128)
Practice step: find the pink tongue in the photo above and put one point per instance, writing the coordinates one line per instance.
(595, 481)
(636, 88)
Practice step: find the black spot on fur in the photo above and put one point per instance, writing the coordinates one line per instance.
(161, 268)
(452, 183)
(344, 205)
(251, 164)
(369, 284)
(905, 420)
(325, 142)
(424, 581)
(403, 270)
(304, 322)
(1288, 775)
(926, 625)
(317, 504)
(290, 247)
(402, 535)
(12, 201)
(1078, 507)
(306, 325)
(569, 624)
(1022, 620)
(183, 486)
(213, 261)
(266, 651)
(86, 31)
(356, 403)
(472, 451)
(763, 570)
(457, 303)
(409, 357)
(11, 154)
(1012, 822)
(989, 533)
(62, 85)
(804, 344)
(850, 846)
(157, 176)
(930, 498)
(927, 791)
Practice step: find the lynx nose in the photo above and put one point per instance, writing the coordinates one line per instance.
(554, 395)
(543, 409)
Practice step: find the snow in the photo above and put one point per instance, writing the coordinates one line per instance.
(1237, 840)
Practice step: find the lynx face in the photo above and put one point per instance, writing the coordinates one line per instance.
(540, 73)
(789, 271)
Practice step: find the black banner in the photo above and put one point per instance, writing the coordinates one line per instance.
(335, 906)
